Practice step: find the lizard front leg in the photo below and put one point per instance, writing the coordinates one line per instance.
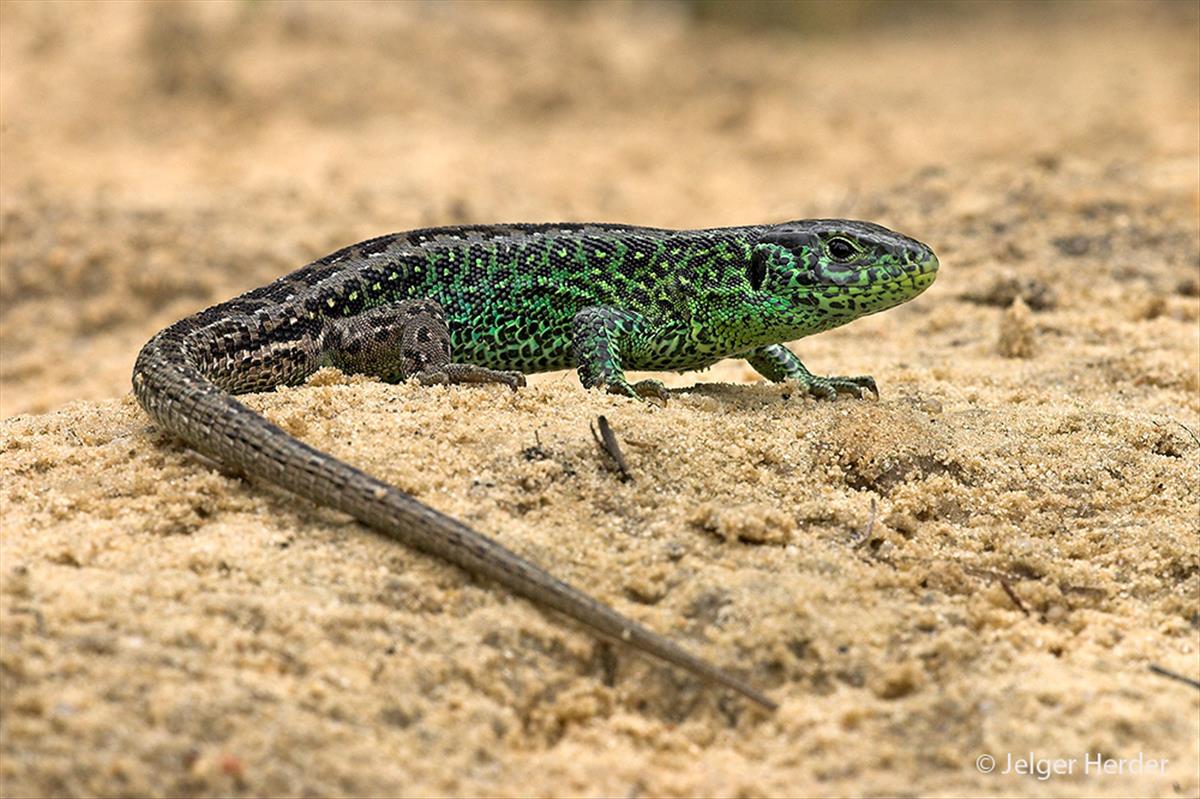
(403, 340)
(603, 336)
(777, 363)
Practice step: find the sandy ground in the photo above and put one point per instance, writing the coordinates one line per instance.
(170, 629)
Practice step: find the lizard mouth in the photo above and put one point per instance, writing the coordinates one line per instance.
(878, 288)
(917, 275)
(914, 281)
(923, 276)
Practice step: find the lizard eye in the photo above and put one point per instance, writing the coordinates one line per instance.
(840, 249)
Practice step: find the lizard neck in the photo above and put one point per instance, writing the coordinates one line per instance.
(752, 320)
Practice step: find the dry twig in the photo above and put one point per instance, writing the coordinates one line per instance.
(607, 441)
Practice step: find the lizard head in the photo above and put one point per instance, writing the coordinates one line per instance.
(830, 271)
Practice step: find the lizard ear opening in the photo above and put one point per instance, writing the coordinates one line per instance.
(756, 271)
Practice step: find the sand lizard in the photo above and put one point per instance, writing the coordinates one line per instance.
(491, 303)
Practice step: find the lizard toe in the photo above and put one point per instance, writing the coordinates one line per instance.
(652, 389)
(855, 386)
(829, 388)
(822, 390)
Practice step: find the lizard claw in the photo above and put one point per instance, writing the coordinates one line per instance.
(514, 380)
(828, 388)
(652, 389)
(642, 390)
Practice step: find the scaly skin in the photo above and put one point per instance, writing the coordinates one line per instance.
(504, 301)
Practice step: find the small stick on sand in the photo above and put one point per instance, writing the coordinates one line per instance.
(1016, 600)
(1190, 432)
(1174, 675)
(607, 441)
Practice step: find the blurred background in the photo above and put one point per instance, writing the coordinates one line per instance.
(159, 157)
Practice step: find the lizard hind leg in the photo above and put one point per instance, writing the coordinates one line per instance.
(403, 340)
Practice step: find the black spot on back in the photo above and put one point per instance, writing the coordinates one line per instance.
(756, 272)
(372, 246)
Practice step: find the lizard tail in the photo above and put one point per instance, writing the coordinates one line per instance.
(178, 393)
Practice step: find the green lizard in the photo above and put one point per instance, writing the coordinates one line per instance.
(491, 303)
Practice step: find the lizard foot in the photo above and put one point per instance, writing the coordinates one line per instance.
(643, 389)
(828, 388)
(469, 373)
